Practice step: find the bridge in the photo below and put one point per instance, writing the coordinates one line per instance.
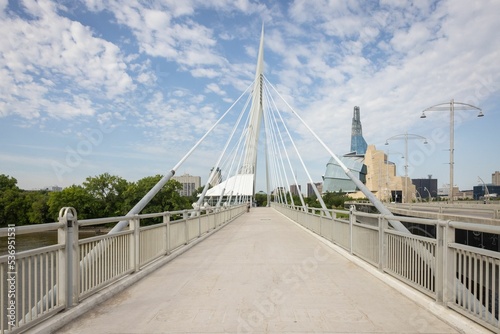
(284, 268)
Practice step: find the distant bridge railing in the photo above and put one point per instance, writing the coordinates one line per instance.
(463, 278)
(40, 282)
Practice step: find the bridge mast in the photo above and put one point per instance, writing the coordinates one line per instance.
(252, 138)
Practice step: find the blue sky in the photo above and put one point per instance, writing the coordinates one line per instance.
(128, 87)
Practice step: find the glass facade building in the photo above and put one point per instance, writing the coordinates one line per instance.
(358, 143)
(335, 179)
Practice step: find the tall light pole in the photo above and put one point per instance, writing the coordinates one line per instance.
(430, 196)
(406, 136)
(387, 171)
(486, 192)
(452, 106)
(419, 196)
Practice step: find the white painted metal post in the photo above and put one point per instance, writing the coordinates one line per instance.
(186, 230)
(352, 220)
(440, 267)
(62, 259)
(74, 265)
(135, 244)
(166, 220)
(199, 222)
(381, 241)
(449, 272)
(68, 259)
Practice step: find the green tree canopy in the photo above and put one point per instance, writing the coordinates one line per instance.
(167, 199)
(108, 192)
(74, 196)
(12, 204)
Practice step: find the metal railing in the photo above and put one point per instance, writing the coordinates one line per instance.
(463, 278)
(40, 282)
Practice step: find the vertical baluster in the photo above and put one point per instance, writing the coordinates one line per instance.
(52, 283)
(469, 281)
(3, 277)
(22, 272)
(481, 281)
(494, 284)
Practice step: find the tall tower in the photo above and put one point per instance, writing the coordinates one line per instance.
(358, 143)
(243, 183)
(252, 136)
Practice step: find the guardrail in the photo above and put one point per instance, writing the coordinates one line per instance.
(38, 283)
(487, 210)
(464, 278)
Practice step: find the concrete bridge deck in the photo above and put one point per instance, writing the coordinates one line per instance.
(263, 274)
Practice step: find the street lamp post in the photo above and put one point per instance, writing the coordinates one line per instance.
(428, 192)
(419, 196)
(452, 106)
(486, 192)
(406, 136)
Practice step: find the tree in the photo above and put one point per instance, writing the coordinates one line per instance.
(167, 199)
(261, 199)
(7, 182)
(335, 199)
(108, 193)
(76, 197)
(12, 203)
(38, 207)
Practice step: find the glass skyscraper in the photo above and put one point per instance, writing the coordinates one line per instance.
(358, 143)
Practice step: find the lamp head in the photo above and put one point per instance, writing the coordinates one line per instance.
(386, 143)
(480, 114)
(423, 115)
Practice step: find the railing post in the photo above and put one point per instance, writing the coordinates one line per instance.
(440, 264)
(320, 221)
(135, 253)
(352, 220)
(186, 230)
(382, 223)
(62, 280)
(199, 222)
(449, 275)
(69, 264)
(166, 220)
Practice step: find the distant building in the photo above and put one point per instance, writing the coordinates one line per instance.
(189, 184)
(295, 189)
(310, 190)
(495, 178)
(358, 143)
(444, 191)
(479, 192)
(382, 181)
(335, 179)
(426, 187)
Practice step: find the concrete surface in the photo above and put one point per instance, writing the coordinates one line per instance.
(260, 274)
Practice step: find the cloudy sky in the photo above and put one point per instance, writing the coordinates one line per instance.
(128, 87)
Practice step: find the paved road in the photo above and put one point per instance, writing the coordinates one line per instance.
(260, 274)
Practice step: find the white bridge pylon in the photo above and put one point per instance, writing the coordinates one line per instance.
(241, 175)
(243, 183)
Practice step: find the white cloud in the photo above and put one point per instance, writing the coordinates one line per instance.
(153, 61)
(50, 53)
(213, 87)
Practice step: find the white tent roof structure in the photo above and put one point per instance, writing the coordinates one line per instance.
(240, 184)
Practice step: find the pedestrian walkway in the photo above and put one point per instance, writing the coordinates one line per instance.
(260, 274)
